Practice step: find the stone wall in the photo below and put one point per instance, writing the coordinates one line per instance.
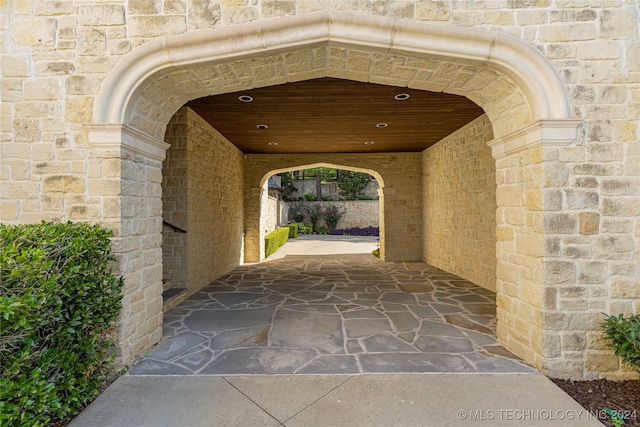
(459, 190)
(271, 216)
(358, 213)
(331, 190)
(83, 117)
(202, 194)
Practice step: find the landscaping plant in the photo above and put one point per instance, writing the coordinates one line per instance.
(58, 300)
(624, 335)
(351, 183)
(331, 215)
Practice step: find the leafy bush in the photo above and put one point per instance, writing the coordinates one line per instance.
(304, 229)
(293, 230)
(624, 335)
(356, 231)
(275, 239)
(297, 212)
(332, 214)
(58, 299)
(314, 212)
(309, 197)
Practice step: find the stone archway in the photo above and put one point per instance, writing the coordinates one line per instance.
(253, 193)
(516, 86)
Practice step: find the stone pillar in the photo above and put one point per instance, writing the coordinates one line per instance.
(253, 235)
(529, 218)
(126, 174)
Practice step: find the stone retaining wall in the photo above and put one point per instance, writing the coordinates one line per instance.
(358, 213)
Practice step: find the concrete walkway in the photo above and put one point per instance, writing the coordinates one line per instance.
(305, 311)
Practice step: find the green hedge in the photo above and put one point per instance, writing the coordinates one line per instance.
(58, 299)
(275, 239)
(293, 230)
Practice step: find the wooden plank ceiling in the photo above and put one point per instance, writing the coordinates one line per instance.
(330, 115)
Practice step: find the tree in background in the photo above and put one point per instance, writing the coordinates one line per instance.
(351, 183)
(287, 187)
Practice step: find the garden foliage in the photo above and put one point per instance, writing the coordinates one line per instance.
(351, 184)
(624, 334)
(356, 231)
(275, 239)
(58, 299)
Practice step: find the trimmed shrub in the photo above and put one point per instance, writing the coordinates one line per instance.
(58, 299)
(275, 239)
(293, 230)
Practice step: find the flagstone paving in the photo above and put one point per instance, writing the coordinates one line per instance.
(332, 314)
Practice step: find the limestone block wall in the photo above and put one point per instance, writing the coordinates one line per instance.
(138, 249)
(331, 190)
(271, 214)
(202, 193)
(569, 210)
(459, 188)
(175, 204)
(358, 213)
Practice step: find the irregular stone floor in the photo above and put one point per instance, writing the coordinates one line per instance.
(332, 314)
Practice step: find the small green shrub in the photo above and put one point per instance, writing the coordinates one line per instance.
(58, 299)
(304, 229)
(309, 197)
(624, 335)
(275, 239)
(293, 230)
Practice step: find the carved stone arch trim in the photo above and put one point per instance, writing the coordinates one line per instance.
(523, 64)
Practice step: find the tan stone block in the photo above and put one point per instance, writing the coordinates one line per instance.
(63, 183)
(104, 187)
(34, 33)
(313, 5)
(20, 190)
(26, 130)
(92, 42)
(276, 8)
(9, 209)
(43, 89)
(559, 272)
(101, 15)
(589, 223)
(15, 66)
(36, 109)
(510, 195)
(78, 109)
(617, 24)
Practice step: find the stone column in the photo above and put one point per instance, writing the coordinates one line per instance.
(253, 237)
(529, 218)
(126, 174)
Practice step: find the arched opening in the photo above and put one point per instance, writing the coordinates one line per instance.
(514, 84)
(333, 201)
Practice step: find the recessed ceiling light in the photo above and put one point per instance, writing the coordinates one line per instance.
(401, 96)
(245, 98)
(273, 143)
(262, 126)
(369, 143)
(382, 125)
